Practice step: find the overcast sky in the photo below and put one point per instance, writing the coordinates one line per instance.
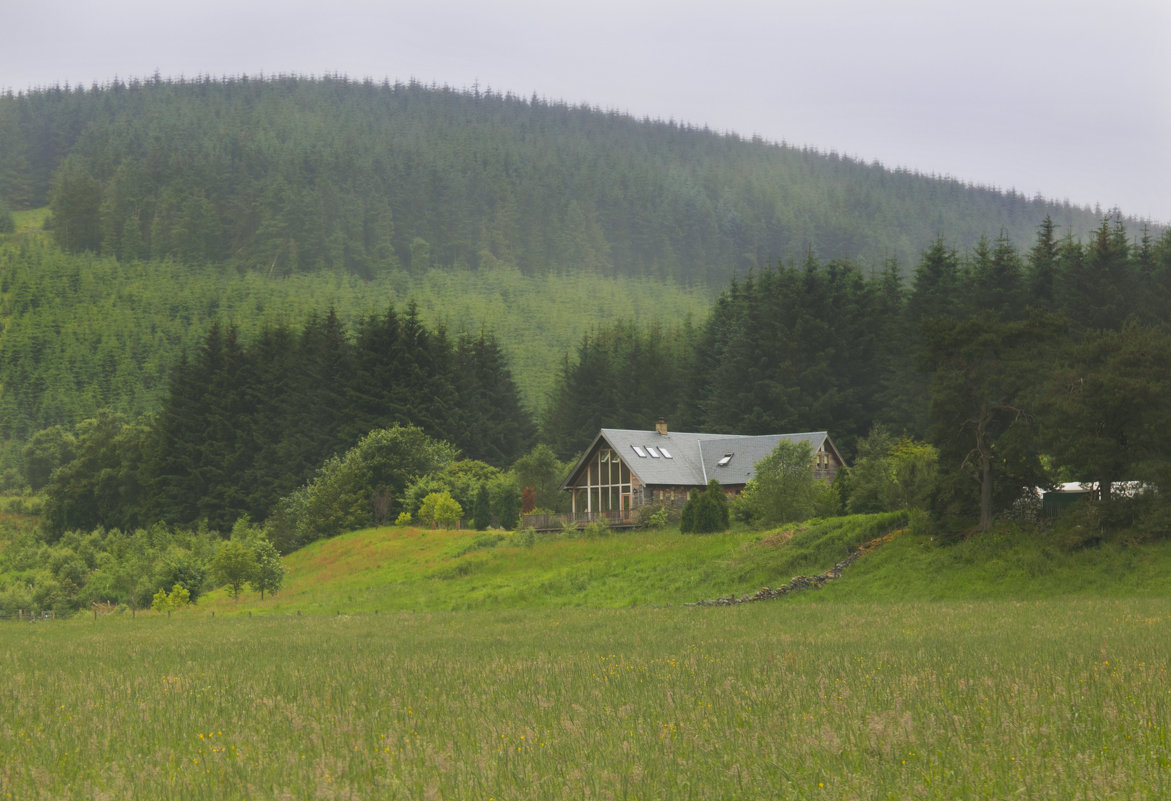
(1067, 98)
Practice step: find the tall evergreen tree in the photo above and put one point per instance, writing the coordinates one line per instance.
(1041, 279)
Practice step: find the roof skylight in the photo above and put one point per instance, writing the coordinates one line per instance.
(652, 451)
(665, 452)
(639, 450)
(727, 457)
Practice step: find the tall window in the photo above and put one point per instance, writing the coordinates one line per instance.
(608, 487)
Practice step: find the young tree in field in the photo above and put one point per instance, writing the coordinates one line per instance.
(234, 565)
(178, 598)
(270, 573)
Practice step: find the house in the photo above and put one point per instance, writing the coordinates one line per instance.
(1057, 499)
(625, 469)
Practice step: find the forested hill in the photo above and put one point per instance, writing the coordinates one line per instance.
(291, 175)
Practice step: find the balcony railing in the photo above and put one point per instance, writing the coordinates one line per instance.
(615, 519)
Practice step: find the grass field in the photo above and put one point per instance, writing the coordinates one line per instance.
(1059, 699)
(401, 663)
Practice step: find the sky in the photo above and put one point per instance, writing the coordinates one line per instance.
(1069, 99)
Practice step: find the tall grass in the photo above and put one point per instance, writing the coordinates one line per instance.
(1040, 700)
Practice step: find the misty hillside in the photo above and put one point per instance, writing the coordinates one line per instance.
(294, 175)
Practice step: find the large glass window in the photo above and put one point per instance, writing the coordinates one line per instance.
(607, 486)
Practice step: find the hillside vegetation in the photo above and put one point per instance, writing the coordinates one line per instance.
(293, 175)
(387, 569)
(80, 332)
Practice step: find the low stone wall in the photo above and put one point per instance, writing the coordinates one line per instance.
(799, 583)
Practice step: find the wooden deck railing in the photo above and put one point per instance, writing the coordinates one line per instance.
(557, 522)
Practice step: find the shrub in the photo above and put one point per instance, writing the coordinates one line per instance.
(440, 509)
(706, 512)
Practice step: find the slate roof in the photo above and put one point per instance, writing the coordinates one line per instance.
(694, 458)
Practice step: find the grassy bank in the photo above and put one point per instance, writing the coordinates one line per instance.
(410, 568)
(393, 569)
(974, 700)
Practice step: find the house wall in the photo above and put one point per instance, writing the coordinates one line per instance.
(826, 465)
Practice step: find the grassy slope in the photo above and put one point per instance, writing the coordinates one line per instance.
(398, 569)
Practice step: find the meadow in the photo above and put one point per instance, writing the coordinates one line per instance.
(1064, 698)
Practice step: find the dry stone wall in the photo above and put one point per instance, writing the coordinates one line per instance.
(800, 583)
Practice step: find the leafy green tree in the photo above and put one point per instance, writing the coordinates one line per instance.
(984, 432)
(891, 473)
(341, 497)
(461, 478)
(177, 598)
(179, 566)
(1106, 408)
(47, 450)
(784, 488)
(234, 565)
(440, 509)
(506, 502)
(270, 572)
(103, 484)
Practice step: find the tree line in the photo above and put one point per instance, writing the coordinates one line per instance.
(243, 425)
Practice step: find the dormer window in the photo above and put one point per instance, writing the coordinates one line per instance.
(727, 457)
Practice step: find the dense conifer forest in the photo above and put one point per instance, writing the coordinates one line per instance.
(291, 174)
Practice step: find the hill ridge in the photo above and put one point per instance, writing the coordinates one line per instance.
(292, 174)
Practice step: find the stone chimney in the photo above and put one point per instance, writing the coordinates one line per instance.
(661, 427)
